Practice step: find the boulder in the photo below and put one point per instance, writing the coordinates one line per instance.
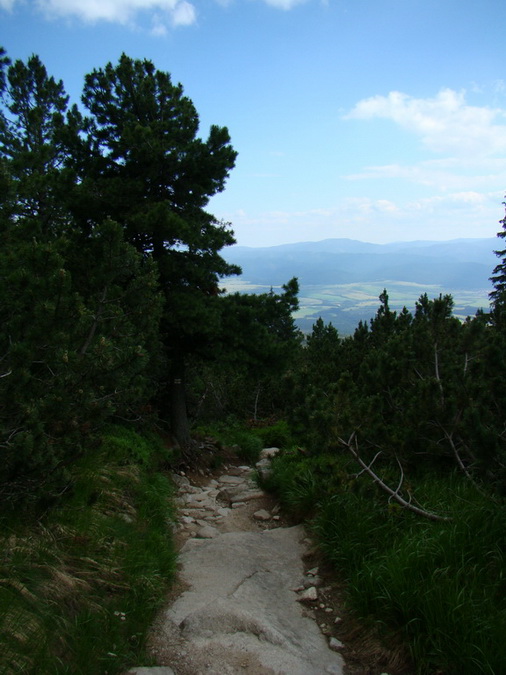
(269, 453)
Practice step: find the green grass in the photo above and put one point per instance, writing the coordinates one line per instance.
(248, 441)
(79, 584)
(440, 584)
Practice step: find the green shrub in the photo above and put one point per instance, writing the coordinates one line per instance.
(276, 435)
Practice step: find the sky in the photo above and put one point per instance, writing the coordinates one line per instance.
(375, 120)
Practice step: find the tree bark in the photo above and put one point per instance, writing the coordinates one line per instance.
(178, 412)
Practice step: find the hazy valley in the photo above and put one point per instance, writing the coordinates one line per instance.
(341, 279)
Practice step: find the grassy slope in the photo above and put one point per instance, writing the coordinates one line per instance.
(440, 584)
(79, 583)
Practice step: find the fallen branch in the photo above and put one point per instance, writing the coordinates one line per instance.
(394, 494)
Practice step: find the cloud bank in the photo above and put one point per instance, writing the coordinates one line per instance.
(176, 12)
(445, 123)
(127, 12)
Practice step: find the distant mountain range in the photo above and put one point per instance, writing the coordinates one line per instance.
(333, 272)
(461, 263)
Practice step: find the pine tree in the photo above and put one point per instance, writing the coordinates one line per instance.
(147, 169)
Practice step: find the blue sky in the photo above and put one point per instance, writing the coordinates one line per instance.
(377, 120)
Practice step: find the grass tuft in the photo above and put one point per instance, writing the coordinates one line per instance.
(78, 589)
(440, 585)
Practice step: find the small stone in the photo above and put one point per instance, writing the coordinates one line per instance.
(262, 515)
(207, 532)
(248, 496)
(180, 480)
(237, 505)
(335, 644)
(276, 518)
(230, 480)
(313, 571)
(328, 610)
(269, 453)
(202, 497)
(337, 619)
(309, 595)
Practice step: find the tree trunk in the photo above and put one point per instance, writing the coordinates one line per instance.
(178, 413)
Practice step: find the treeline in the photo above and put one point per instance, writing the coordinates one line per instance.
(110, 266)
(422, 390)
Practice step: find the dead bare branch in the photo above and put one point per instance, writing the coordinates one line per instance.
(352, 445)
(462, 466)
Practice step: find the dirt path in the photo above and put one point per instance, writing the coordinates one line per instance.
(248, 598)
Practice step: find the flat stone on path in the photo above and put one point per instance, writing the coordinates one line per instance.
(207, 532)
(231, 480)
(262, 515)
(247, 496)
(239, 599)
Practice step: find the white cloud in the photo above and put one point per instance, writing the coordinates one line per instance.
(445, 123)
(284, 4)
(178, 12)
(7, 4)
(443, 174)
(184, 14)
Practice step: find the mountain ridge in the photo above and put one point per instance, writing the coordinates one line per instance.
(341, 279)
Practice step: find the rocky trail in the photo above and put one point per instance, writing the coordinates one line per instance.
(245, 600)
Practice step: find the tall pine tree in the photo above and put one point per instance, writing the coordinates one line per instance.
(147, 169)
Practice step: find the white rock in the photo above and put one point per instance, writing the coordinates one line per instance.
(207, 532)
(262, 515)
(309, 595)
(335, 644)
(269, 453)
(202, 497)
